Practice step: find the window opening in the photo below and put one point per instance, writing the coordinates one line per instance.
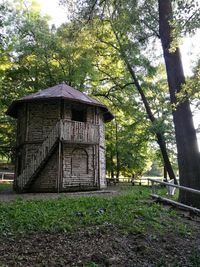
(79, 113)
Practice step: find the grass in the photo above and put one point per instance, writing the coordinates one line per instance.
(130, 211)
(162, 191)
(5, 186)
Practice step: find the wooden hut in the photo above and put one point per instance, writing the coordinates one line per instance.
(60, 141)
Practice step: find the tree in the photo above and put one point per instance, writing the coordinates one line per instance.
(6, 45)
(134, 23)
(187, 146)
(117, 21)
(127, 142)
(34, 57)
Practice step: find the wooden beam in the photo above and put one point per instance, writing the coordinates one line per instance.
(175, 203)
(177, 186)
(59, 166)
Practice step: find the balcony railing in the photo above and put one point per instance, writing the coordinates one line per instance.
(79, 132)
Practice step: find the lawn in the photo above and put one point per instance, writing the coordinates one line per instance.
(118, 220)
(5, 186)
(130, 211)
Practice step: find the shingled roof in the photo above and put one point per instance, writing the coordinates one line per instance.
(60, 91)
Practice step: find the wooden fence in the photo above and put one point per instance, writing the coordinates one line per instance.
(7, 175)
(170, 201)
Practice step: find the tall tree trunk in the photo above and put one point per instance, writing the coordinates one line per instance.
(117, 151)
(186, 140)
(112, 159)
(160, 138)
(165, 174)
(112, 167)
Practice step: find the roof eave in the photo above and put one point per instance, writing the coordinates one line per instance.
(11, 111)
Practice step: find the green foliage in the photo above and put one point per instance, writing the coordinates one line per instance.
(127, 31)
(128, 211)
(127, 147)
(123, 34)
(195, 259)
(191, 89)
(194, 262)
(42, 57)
(5, 186)
(91, 264)
(35, 57)
(187, 15)
(88, 57)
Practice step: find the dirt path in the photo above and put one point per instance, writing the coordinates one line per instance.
(9, 195)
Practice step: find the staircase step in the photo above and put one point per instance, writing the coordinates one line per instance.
(25, 179)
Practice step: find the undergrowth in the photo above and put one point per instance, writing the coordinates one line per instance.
(131, 211)
(5, 186)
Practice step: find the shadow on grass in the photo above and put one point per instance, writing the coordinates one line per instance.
(6, 188)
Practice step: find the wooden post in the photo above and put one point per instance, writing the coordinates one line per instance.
(94, 166)
(27, 122)
(59, 166)
(59, 156)
(98, 164)
(175, 203)
(165, 173)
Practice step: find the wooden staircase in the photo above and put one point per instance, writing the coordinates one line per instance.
(38, 160)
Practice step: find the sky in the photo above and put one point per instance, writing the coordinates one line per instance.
(52, 8)
(190, 51)
(190, 48)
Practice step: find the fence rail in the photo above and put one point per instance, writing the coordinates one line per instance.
(184, 188)
(3, 174)
(170, 201)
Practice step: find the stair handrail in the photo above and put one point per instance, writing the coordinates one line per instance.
(39, 156)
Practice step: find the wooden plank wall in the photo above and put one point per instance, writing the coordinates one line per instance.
(21, 125)
(102, 152)
(46, 181)
(41, 118)
(75, 173)
(20, 139)
(35, 121)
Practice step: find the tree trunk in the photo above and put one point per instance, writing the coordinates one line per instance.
(186, 140)
(112, 167)
(117, 152)
(160, 138)
(165, 174)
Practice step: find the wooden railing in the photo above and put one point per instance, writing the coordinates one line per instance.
(79, 132)
(170, 201)
(37, 159)
(7, 176)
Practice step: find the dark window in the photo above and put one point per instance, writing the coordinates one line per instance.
(79, 114)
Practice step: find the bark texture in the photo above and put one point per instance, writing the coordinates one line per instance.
(186, 140)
